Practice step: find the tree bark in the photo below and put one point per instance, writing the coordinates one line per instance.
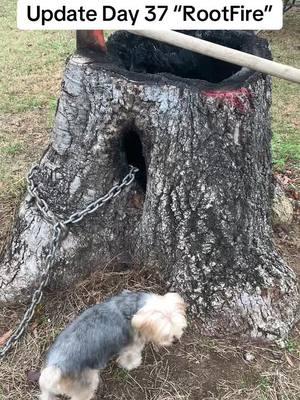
(199, 131)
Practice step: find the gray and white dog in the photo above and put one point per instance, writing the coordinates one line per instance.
(119, 326)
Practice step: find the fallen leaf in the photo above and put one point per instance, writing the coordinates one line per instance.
(33, 376)
(4, 337)
(283, 179)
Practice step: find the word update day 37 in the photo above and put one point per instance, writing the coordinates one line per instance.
(63, 14)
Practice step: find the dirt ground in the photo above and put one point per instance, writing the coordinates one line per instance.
(197, 368)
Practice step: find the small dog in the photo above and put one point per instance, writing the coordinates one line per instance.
(120, 326)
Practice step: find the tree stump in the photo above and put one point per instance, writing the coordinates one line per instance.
(199, 131)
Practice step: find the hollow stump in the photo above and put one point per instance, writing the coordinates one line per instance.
(199, 210)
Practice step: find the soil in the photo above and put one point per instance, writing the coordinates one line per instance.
(197, 368)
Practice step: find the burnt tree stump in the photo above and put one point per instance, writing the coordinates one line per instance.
(199, 131)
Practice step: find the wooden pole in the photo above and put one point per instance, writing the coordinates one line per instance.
(223, 53)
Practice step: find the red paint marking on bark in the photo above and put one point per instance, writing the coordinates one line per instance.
(238, 99)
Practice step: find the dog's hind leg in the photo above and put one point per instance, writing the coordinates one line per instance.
(84, 388)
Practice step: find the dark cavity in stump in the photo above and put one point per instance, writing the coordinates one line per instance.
(133, 149)
(199, 130)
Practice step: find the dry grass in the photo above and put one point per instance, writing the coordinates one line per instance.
(198, 368)
(273, 385)
(22, 140)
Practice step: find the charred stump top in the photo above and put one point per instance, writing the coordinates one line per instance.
(148, 60)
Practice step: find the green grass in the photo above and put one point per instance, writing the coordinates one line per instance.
(286, 95)
(286, 124)
(121, 375)
(27, 60)
(12, 149)
(292, 346)
(52, 104)
(264, 384)
(285, 146)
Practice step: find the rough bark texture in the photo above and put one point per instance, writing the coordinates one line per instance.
(200, 208)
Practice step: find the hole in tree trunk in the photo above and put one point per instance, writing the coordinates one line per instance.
(143, 55)
(133, 149)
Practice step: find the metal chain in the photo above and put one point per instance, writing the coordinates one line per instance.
(58, 228)
(288, 5)
(40, 203)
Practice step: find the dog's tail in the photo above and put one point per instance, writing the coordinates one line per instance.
(49, 381)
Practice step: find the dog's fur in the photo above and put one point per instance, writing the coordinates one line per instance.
(120, 326)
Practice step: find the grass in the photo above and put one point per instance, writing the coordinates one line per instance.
(286, 99)
(286, 123)
(31, 65)
(12, 149)
(27, 61)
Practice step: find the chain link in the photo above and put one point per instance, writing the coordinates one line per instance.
(58, 229)
(40, 203)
